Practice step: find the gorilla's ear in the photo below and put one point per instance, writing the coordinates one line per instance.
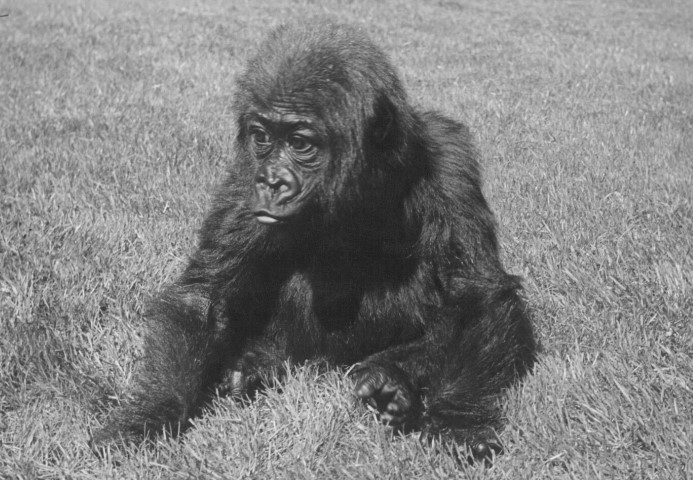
(384, 127)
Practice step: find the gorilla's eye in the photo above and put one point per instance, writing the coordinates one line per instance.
(259, 137)
(300, 144)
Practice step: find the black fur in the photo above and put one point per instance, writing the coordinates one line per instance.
(392, 260)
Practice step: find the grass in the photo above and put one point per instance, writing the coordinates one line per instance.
(115, 126)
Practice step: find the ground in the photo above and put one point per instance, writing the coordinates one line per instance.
(115, 125)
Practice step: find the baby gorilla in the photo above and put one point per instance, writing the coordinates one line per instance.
(352, 228)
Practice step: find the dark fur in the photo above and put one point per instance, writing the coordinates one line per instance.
(394, 262)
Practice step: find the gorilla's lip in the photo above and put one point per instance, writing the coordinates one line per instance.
(263, 216)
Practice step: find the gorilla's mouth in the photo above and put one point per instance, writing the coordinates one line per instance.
(267, 218)
(273, 216)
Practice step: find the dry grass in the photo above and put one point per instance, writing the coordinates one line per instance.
(114, 126)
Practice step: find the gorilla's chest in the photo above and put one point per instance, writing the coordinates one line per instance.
(345, 319)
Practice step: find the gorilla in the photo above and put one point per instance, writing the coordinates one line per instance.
(351, 228)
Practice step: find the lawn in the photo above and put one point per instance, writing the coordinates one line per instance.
(115, 126)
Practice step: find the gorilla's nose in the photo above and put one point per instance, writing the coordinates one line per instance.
(279, 182)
